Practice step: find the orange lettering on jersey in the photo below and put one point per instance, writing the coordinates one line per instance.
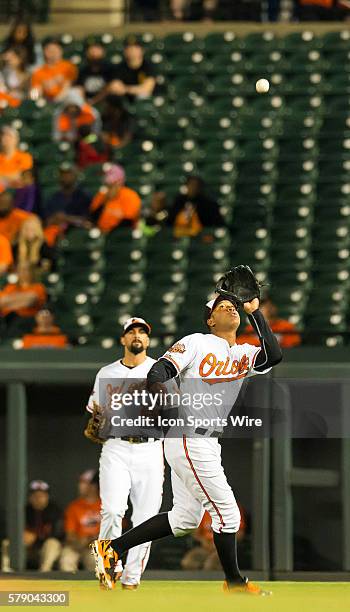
(210, 364)
(219, 368)
(210, 361)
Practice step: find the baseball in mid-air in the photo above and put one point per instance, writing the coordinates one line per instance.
(262, 86)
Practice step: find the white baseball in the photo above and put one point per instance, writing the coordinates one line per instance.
(262, 86)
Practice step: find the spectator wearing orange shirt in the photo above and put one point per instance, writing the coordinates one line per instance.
(45, 335)
(115, 204)
(6, 256)
(11, 219)
(82, 524)
(73, 115)
(54, 78)
(25, 297)
(285, 331)
(12, 161)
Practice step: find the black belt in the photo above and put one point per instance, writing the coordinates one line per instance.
(203, 432)
(138, 439)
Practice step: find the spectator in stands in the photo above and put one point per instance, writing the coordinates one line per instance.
(195, 210)
(13, 161)
(43, 530)
(204, 555)
(316, 10)
(73, 114)
(45, 335)
(95, 74)
(91, 148)
(71, 198)
(23, 298)
(155, 215)
(11, 219)
(31, 246)
(15, 77)
(27, 195)
(6, 255)
(179, 9)
(285, 331)
(54, 78)
(117, 123)
(115, 204)
(82, 524)
(134, 77)
(21, 36)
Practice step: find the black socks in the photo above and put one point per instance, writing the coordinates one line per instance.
(226, 546)
(153, 529)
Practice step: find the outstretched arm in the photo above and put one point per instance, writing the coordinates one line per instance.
(270, 353)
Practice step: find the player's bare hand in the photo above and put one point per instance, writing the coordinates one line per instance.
(250, 307)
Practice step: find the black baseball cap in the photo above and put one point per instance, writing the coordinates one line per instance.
(212, 304)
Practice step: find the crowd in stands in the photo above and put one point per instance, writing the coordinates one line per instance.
(89, 112)
(239, 10)
(56, 538)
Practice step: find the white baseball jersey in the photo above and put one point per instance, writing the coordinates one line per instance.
(126, 469)
(119, 371)
(208, 366)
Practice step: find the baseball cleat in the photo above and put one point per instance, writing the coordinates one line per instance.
(129, 587)
(105, 561)
(246, 588)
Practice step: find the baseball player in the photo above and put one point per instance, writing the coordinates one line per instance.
(207, 361)
(129, 465)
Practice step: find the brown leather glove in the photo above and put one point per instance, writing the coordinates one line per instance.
(94, 425)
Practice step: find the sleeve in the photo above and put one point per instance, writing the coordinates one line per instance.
(27, 161)
(97, 201)
(72, 72)
(182, 353)
(36, 78)
(133, 207)
(149, 69)
(94, 395)
(6, 257)
(269, 353)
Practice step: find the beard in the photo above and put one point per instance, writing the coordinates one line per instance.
(136, 348)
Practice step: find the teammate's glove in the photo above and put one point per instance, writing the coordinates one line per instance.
(239, 285)
(94, 425)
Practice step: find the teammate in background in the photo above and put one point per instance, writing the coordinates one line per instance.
(202, 362)
(130, 465)
(284, 331)
(81, 524)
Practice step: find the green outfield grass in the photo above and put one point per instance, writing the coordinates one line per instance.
(179, 596)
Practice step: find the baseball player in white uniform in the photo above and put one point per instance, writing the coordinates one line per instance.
(211, 361)
(129, 466)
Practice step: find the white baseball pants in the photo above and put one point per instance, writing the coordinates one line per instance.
(199, 483)
(136, 470)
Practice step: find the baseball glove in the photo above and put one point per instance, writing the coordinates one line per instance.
(239, 284)
(95, 424)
